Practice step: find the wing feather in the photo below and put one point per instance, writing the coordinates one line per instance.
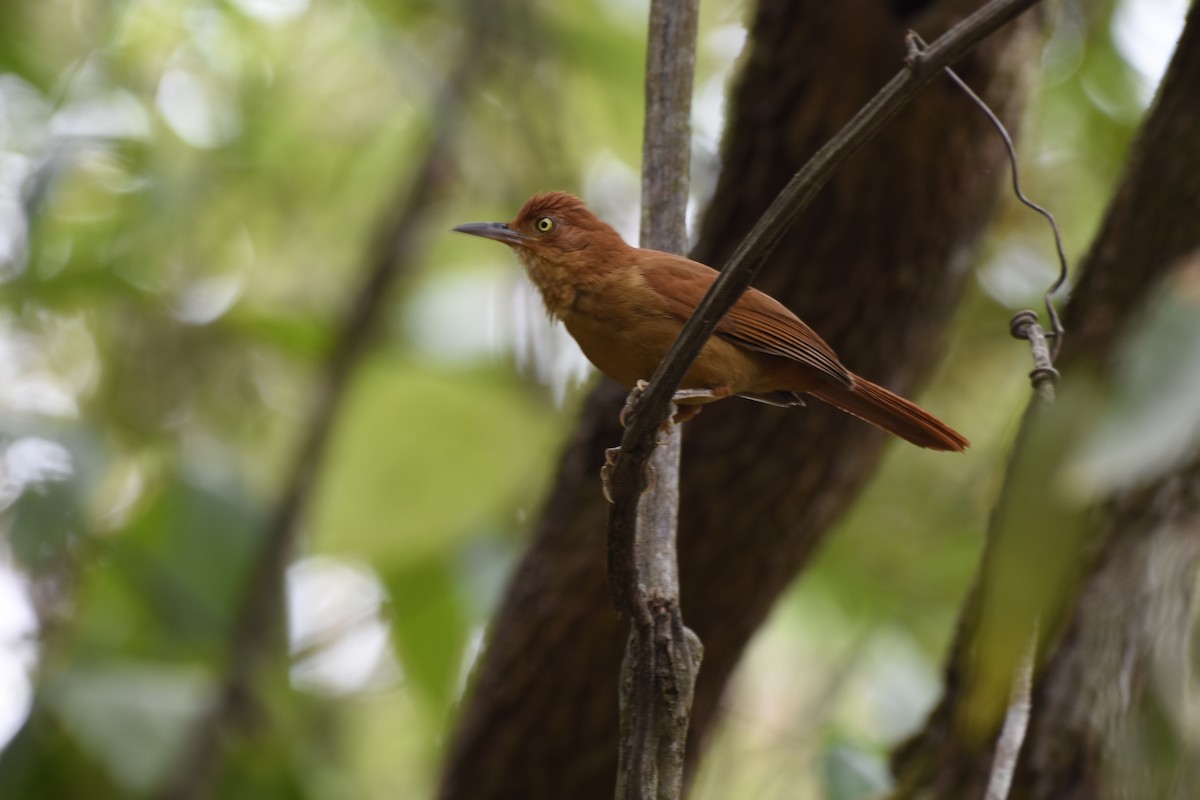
(756, 322)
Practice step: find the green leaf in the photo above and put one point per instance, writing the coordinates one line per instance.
(853, 773)
(423, 458)
(174, 576)
(430, 627)
(131, 717)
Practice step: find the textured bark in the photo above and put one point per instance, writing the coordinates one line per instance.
(662, 657)
(876, 265)
(1098, 715)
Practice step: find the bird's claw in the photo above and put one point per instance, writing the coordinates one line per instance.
(663, 434)
(610, 460)
(631, 401)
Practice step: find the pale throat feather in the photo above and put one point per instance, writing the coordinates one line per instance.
(557, 288)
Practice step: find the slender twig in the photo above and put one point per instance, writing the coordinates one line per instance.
(1044, 378)
(626, 477)
(256, 629)
(662, 657)
(1016, 723)
(1024, 324)
(915, 45)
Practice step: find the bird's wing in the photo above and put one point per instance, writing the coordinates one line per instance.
(756, 322)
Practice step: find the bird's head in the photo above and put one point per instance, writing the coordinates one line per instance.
(555, 228)
(564, 247)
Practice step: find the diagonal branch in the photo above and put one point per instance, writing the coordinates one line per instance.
(637, 443)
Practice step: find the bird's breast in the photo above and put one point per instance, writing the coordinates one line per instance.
(622, 339)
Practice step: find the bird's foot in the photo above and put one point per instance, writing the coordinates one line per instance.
(631, 401)
(701, 394)
(610, 460)
(684, 411)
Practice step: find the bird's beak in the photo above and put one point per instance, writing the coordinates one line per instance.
(500, 231)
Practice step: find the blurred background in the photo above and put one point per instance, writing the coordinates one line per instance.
(190, 195)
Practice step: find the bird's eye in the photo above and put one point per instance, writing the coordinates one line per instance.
(544, 224)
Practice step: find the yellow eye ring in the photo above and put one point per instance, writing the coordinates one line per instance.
(544, 224)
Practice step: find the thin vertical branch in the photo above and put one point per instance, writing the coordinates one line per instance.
(1024, 325)
(1016, 724)
(662, 657)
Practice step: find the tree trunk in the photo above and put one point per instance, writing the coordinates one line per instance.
(1112, 671)
(875, 265)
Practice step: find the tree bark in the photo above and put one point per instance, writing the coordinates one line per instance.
(662, 656)
(1113, 665)
(876, 265)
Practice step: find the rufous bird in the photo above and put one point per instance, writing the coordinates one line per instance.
(626, 305)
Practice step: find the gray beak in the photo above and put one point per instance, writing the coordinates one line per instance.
(493, 230)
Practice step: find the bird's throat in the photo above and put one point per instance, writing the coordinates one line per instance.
(556, 285)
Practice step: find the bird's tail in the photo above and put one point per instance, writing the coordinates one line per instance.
(892, 413)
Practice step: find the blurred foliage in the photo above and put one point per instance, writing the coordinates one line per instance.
(187, 191)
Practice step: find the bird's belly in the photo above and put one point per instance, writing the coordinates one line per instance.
(628, 353)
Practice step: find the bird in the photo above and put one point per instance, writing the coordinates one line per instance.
(625, 306)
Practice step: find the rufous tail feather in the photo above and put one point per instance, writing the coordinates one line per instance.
(892, 413)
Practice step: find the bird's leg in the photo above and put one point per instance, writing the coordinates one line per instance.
(682, 414)
(611, 453)
(707, 394)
